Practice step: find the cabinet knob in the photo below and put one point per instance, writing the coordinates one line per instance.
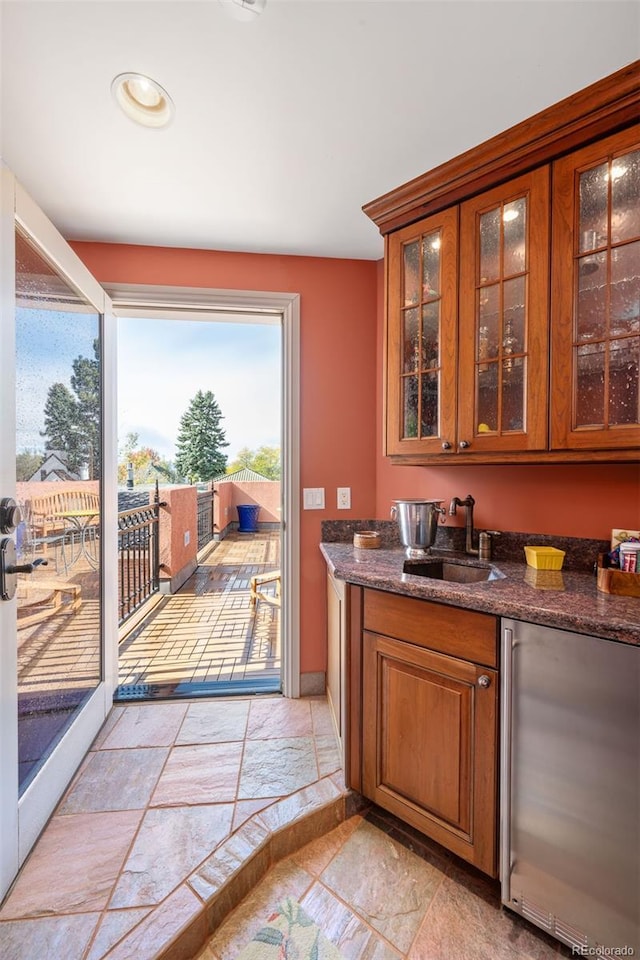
(484, 681)
(464, 444)
(446, 445)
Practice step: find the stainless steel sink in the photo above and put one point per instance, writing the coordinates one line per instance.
(439, 569)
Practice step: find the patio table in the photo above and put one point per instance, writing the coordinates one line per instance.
(80, 521)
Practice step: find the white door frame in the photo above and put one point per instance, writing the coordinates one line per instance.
(22, 819)
(197, 303)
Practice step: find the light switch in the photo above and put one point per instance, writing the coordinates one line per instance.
(313, 498)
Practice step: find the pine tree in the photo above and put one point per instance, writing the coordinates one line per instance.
(60, 420)
(85, 383)
(201, 439)
(72, 423)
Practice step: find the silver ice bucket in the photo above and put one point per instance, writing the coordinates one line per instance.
(417, 523)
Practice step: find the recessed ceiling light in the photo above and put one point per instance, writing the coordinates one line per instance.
(142, 99)
(244, 9)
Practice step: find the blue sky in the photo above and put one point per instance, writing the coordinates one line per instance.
(163, 363)
(161, 366)
(47, 343)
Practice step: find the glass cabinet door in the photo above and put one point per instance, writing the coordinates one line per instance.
(504, 317)
(421, 336)
(596, 305)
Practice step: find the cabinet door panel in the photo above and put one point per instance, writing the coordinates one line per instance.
(409, 695)
(504, 317)
(595, 319)
(429, 744)
(421, 336)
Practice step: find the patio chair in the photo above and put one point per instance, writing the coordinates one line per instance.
(40, 599)
(260, 579)
(32, 540)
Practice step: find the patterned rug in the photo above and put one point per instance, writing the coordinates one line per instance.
(290, 934)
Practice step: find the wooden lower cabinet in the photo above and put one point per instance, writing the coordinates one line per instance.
(429, 743)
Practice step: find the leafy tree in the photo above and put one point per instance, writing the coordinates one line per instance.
(264, 460)
(27, 463)
(148, 465)
(244, 458)
(72, 419)
(201, 439)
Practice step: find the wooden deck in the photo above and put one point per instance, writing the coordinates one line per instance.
(209, 631)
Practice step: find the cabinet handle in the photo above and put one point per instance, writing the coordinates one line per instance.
(464, 444)
(484, 681)
(446, 445)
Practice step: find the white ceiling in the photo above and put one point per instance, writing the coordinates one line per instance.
(287, 125)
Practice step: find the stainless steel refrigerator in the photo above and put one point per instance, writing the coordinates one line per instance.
(570, 786)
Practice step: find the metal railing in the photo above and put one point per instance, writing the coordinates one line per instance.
(205, 518)
(138, 557)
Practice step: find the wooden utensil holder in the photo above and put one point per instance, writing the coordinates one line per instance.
(618, 582)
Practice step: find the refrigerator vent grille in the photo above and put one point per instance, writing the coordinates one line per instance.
(536, 914)
(571, 936)
(563, 931)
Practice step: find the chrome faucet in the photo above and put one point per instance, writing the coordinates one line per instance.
(468, 504)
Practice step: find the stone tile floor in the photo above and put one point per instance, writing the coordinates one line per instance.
(169, 805)
(197, 816)
(381, 891)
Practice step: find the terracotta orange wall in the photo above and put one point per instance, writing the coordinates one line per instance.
(337, 377)
(263, 492)
(579, 500)
(178, 516)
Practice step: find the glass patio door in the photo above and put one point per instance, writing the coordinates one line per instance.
(53, 667)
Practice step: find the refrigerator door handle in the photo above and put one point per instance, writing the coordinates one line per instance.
(506, 721)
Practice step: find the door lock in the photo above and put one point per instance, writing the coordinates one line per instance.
(9, 569)
(10, 515)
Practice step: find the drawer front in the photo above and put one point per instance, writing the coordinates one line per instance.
(435, 626)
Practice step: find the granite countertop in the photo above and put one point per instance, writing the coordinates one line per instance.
(567, 599)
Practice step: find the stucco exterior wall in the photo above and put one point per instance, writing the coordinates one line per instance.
(178, 537)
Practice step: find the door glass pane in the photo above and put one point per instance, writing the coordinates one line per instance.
(411, 274)
(411, 340)
(58, 466)
(429, 416)
(593, 228)
(490, 246)
(431, 335)
(624, 377)
(625, 197)
(513, 293)
(590, 385)
(625, 289)
(487, 402)
(488, 316)
(409, 407)
(431, 265)
(513, 394)
(591, 316)
(514, 220)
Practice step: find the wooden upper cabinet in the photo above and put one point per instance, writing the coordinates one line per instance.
(422, 336)
(595, 376)
(467, 326)
(504, 318)
(517, 339)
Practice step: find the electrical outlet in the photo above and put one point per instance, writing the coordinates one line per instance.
(187, 537)
(344, 498)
